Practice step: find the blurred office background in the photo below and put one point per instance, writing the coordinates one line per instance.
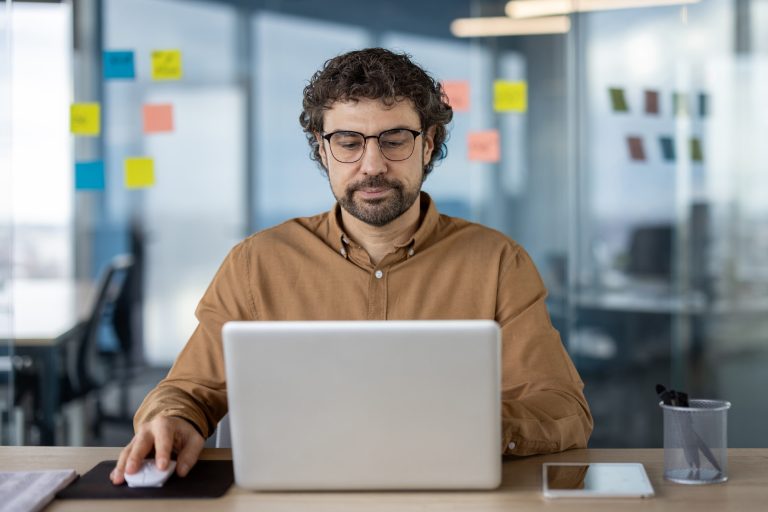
(635, 178)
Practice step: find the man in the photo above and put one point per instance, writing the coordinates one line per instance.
(376, 124)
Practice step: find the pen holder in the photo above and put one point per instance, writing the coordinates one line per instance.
(695, 442)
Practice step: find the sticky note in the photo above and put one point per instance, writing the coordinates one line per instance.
(85, 119)
(618, 101)
(118, 64)
(458, 94)
(139, 172)
(89, 175)
(636, 149)
(158, 118)
(483, 146)
(697, 154)
(703, 104)
(651, 102)
(510, 96)
(667, 148)
(166, 65)
(680, 104)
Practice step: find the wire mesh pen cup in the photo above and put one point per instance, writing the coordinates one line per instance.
(696, 442)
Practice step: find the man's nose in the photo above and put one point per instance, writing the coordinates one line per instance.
(372, 161)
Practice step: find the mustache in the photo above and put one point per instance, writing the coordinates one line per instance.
(378, 181)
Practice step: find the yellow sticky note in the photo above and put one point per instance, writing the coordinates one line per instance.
(139, 172)
(166, 65)
(510, 96)
(85, 118)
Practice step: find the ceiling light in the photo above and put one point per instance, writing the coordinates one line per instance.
(504, 26)
(533, 8)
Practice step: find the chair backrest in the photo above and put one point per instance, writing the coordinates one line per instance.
(90, 369)
(127, 317)
(223, 434)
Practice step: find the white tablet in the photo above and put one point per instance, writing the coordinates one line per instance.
(596, 480)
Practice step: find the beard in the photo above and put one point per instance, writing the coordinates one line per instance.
(379, 211)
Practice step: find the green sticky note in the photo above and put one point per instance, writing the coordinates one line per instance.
(618, 101)
(680, 104)
(697, 155)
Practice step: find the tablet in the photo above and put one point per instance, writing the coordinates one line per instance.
(596, 480)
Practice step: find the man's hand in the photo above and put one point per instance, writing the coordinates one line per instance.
(165, 435)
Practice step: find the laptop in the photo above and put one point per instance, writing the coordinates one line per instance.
(364, 405)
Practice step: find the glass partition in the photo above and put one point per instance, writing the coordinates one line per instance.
(669, 281)
(6, 233)
(633, 176)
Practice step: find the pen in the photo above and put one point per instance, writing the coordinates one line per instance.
(692, 442)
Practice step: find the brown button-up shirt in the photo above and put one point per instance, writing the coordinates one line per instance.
(308, 269)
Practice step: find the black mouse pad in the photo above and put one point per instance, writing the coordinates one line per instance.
(207, 479)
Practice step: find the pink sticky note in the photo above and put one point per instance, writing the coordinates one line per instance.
(458, 94)
(484, 146)
(158, 118)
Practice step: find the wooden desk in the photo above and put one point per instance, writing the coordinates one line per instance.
(746, 490)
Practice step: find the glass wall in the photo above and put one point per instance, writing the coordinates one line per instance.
(195, 210)
(672, 224)
(6, 240)
(632, 175)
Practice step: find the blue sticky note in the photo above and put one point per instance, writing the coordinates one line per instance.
(119, 64)
(89, 175)
(667, 148)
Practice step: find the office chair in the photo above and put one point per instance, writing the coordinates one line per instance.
(86, 358)
(127, 356)
(223, 433)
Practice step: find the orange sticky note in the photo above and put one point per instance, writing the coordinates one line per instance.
(458, 94)
(484, 146)
(139, 172)
(158, 118)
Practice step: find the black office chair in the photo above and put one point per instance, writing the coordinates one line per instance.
(86, 355)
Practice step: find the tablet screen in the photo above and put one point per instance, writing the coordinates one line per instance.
(596, 480)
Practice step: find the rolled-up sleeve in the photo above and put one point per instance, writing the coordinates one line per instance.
(195, 387)
(543, 405)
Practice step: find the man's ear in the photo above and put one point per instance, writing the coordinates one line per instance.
(429, 142)
(321, 144)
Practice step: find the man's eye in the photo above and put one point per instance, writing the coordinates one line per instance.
(393, 144)
(349, 144)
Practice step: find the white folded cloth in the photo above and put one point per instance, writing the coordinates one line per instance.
(30, 491)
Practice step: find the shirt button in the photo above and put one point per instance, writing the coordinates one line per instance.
(411, 251)
(512, 445)
(379, 274)
(343, 252)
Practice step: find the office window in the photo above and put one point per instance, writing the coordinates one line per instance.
(41, 178)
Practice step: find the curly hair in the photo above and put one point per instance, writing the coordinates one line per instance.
(378, 74)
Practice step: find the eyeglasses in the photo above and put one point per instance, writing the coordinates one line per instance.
(395, 145)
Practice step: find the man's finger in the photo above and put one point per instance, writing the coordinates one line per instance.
(141, 446)
(163, 435)
(118, 474)
(189, 453)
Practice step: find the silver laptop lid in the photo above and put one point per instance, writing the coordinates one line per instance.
(364, 405)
